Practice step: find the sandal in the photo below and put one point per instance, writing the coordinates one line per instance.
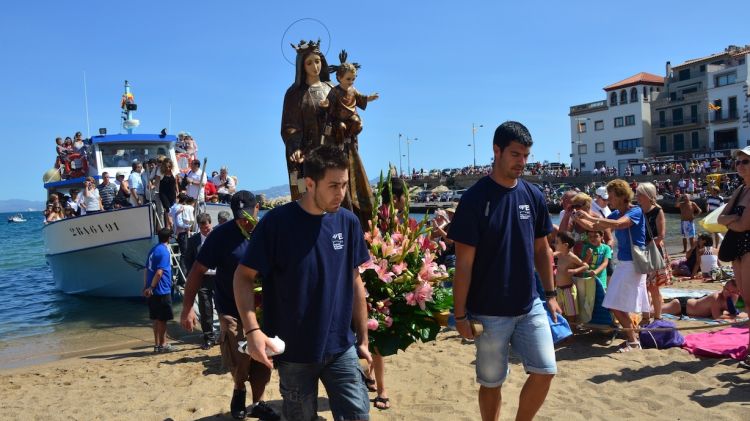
(629, 346)
(370, 384)
(385, 402)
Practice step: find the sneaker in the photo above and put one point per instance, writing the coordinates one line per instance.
(264, 412)
(157, 349)
(167, 348)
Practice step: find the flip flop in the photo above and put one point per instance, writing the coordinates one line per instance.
(384, 401)
(745, 363)
(370, 385)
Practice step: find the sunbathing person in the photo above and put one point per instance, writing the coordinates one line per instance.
(718, 306)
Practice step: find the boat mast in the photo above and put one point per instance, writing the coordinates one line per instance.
(128, 105)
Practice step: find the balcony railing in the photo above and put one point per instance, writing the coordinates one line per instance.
(591, 106)
(690, 120)
(732, 116)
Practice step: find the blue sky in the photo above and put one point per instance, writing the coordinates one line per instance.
(439, 66)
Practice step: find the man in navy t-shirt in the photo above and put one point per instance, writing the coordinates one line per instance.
(157, 288)
(307, 254)
(500, 230)
(222, 250)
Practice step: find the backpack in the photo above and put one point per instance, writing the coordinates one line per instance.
(661, 339)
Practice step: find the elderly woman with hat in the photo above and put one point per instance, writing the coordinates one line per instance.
(737, 221)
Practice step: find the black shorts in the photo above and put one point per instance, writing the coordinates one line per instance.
(160, 307)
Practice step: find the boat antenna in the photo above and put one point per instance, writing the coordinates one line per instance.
(128, 105)
(86, 106)
(169, 126)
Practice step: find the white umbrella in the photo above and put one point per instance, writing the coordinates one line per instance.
(440, 189)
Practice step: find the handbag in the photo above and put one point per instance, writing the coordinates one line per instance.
(641, 259)
(655, 259)
(731, 242)
(664, 336)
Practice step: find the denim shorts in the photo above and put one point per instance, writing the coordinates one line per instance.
(341, 376)
(528, 334)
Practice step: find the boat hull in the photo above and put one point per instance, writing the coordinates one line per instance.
(101, 254)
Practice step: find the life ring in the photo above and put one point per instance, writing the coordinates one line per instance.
(183, 162)
(76, 166)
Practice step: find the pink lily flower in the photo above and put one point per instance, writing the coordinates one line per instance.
(372, 324)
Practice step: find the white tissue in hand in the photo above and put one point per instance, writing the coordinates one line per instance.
(278, 344)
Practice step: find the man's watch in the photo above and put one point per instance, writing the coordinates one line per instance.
(550, 294)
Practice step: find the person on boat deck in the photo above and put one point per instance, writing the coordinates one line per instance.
(225, 185)
(107, 192)
(73, 202)
(91, 200)
(194, 178)
(210, 192)
(62, 151)
(137, 197)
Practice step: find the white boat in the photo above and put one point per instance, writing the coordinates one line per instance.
(103, 254)
(17, 218)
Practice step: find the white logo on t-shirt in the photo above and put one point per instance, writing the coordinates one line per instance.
(338, 241)
(524, 211)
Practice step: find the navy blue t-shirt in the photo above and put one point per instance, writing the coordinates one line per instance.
(307, 265)
(222, 250)
(502, 224)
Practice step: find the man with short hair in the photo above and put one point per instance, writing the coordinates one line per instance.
(312, 244)
(688, 211)
(135, 181)
(206, 291)
(225, 186)
(107, 192)
(194, 178)
(223, 217)
(157, 288)
(500, 230)
(222, 250)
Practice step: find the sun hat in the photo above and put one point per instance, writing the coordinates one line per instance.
(745, 150)
(602, 192)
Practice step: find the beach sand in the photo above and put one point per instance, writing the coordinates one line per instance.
(433, 381)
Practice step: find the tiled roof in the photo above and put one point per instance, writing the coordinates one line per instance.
(640, 78)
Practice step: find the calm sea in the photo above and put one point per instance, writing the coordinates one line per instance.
(32, 310)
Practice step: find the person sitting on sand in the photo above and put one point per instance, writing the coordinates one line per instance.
(568, 264)
(709, 255)
(689, 265)
(720, 305)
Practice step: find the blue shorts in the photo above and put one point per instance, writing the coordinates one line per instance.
(687, 228)
(530, 336)
(343, 379)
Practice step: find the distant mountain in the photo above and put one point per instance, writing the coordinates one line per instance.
(19, 205)
(283, 190)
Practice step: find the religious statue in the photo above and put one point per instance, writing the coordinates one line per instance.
(316, 113)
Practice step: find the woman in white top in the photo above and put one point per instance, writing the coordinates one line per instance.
(92, 202)
(709, 256)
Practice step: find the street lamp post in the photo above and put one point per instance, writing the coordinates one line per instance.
(400, 170)
(408, 154)
(474, 129)
(578, 144)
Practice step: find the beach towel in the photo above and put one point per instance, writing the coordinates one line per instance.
(672, 293)
(561, 329)
(586, 296)
(730, 342)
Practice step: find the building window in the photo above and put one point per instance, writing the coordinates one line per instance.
(693, 113)
(726, 79)
(599, 147)
(630, 120)
(733, 107)
(717, 109)
(662, 143)
(618, 122)
(684, 74)
(662, 118)
(633, 95)
(600, 164)
(581, 126)
(623, 97)
(599, 125)
(689, 90)
(645, 94)
(679, 142)
(695, 142)
(582, 149)
(626, 146)
(613, 98)
(702, 68)
(676, 116)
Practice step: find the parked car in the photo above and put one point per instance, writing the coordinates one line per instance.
(457, 195)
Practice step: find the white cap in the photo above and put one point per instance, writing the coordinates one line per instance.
(602, 192)
(745, 150)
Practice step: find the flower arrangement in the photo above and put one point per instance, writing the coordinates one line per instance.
(403, 281)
